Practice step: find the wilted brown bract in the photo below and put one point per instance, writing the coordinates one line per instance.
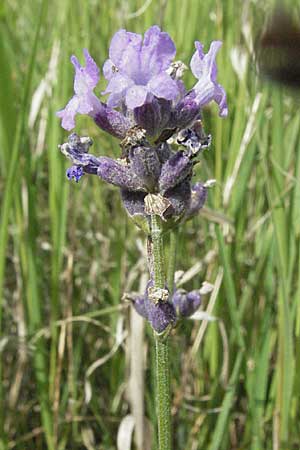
(278, 50)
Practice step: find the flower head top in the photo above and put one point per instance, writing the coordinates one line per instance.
(144, 86)
(136, 70)
(148, 108)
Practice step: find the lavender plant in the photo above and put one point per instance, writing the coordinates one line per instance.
(158, 123)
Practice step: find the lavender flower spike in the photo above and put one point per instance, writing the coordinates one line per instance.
(136, 70)
(204, 68)
(85, 101)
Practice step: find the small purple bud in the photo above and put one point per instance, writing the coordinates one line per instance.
(75, 172)
(112, 121)
(175, 170)
(118, 174)
(145, 164)
(186, 111)
(160, 315)
(198, 198)
(186, 303)
(139, 306)
(153, 116)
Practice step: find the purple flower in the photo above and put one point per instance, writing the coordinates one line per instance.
(136, 70)
(144, 87)
(204, 68)
(85, 101)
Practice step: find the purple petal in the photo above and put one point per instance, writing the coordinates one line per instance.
(131, 66)
(135, 64)
(108, 69)
(86, 78)
(163, 86)
(136, 96)
(68, 113)
(205, 90)
(157, 52)
(220, 99)
(117, 87)
(205, 69)
(205, 65)
(120, 43)
(84, 101)
(92, 69)
(125, 55)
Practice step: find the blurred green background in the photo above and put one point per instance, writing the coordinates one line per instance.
(68, 251)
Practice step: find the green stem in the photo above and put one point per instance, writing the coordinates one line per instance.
(163, 400)
(172, 259)
(157, 253)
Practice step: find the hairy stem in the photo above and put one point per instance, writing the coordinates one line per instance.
(163, 400)
(158, 253)
(161, 344)
(172, 259)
